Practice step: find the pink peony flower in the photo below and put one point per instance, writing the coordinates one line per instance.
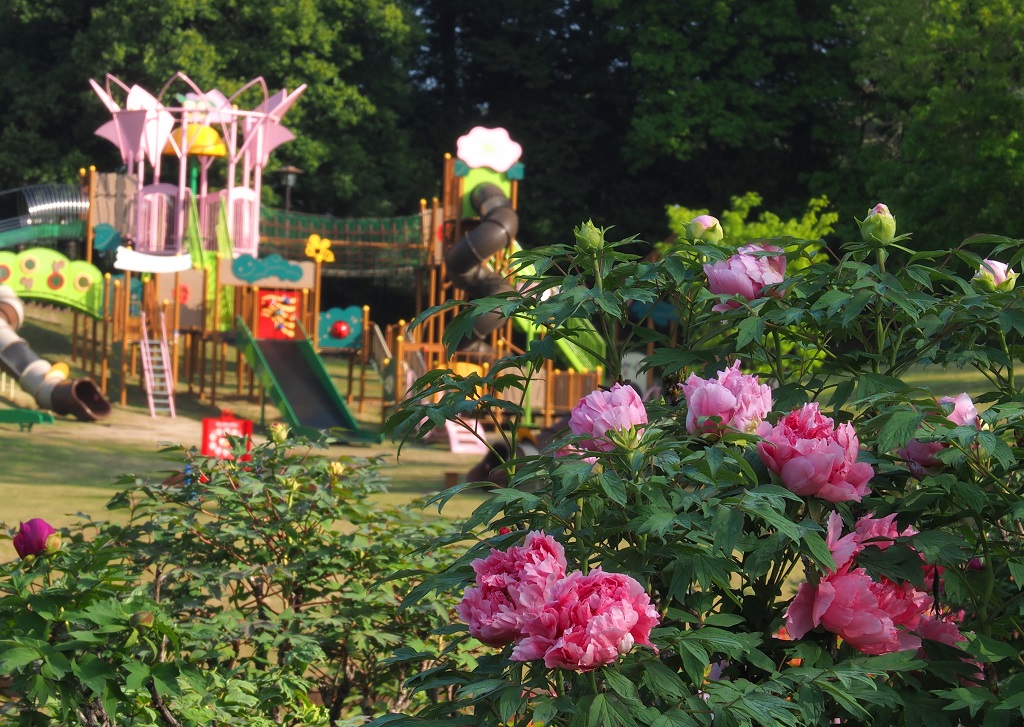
(739, 401)
(813, 457)
(944, 631)
(745, 274)
(618, 409)
(874, 617)
(35, 537)
(964, 413)
(511, 588)
(864, 613)
(904, 604)
(879, 532)
(588, 622)
(842, 547)
(920, 456)
(994, 275)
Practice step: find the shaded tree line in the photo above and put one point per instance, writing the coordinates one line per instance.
(621, 107)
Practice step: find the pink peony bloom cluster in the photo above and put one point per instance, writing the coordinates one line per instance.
(588, 622)
(620, 408)
(920, 456)
(745, 274)
(732, 401)
(575, 621)
(35, 537)
(873, 617)
(511, 588)
(813, 457)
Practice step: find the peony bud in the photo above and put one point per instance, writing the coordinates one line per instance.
(588, 238)
(994, 276)
(141, 620)
(704, 228)
(35, 537)
(279, 433)
(879, 226)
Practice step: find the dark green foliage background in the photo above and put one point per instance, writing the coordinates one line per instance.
(621, 108)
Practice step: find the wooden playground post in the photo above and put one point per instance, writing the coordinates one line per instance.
(304, 316)
(125, 353)
(399, 373)
(176, 327)
(93, 353)
(173, 383)
(74, 336)
(90, 215)
(315, 312)
(107, 306)
(364, 356)
(549, 388)
(214, 340)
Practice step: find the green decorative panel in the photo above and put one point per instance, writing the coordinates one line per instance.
(44, 274)
(479, 176)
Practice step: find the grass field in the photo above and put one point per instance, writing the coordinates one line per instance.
(69, 467)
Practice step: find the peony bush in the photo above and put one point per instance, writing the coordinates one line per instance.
(784, 530)
(231, 593)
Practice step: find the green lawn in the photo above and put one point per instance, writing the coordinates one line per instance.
(69, 467)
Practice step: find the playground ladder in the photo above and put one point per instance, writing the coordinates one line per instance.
(464, 436)
(156, 367)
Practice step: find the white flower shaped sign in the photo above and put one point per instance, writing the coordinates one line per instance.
(483, 147)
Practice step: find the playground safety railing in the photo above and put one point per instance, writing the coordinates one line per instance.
(380, 352)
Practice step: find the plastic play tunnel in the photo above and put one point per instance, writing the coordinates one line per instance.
(47, 383)
(466, 259)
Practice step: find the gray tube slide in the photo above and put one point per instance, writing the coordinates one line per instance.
(47, 383)
(465, 260)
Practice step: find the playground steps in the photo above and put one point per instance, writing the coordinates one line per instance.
(466, 436)
(156, 368)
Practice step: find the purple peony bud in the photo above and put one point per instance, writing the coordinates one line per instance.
(35, 537)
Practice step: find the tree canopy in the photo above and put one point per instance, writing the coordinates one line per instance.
(622, 109)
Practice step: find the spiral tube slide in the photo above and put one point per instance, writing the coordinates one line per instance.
(47, 383)
(466, 259)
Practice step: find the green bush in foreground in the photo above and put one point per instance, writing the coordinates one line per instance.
(239, 592)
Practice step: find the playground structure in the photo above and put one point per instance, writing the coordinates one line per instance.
(474, 232)
(198, 269)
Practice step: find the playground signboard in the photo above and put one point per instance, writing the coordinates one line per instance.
(216, 431)
(278, 311)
